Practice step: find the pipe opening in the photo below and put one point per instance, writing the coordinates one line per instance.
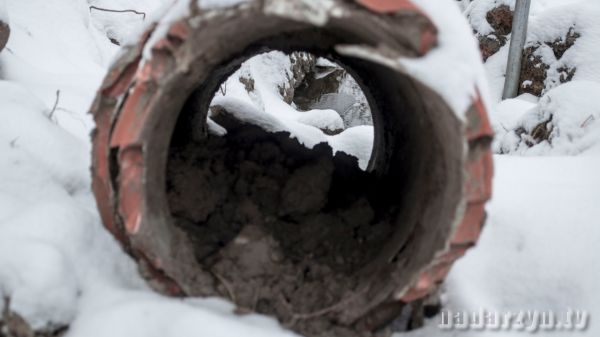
(297, 231)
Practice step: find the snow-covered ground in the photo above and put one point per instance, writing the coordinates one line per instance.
(263, 104)
(59, 266)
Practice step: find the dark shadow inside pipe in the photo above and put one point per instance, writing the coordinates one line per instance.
(285, 229)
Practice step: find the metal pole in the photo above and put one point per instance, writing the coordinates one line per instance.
(517, 43)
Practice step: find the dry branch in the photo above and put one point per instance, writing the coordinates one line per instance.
(118, 11)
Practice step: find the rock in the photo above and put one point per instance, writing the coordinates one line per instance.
(500, 18)
(534, 69)
(4, 34)
(533, 73)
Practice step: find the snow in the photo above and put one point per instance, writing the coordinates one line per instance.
(549, 20)
(456, 57)
(356, 141)
(216, 4)
(572, 105)
(3, 12)
(316, 12)
(264, 106)
(537, 249)
(41, 47)
(570, 110)
(326, 119)
(554, 23)
(141, 313)
(60, 266)
(508, 113)
(46, 213)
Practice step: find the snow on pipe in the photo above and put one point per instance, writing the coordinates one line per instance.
(515, 53)
(253, 216)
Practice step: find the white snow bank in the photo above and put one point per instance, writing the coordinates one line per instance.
(508, 113)
(25, 125)
(267, 75)
(143, 314)
(356, 141)
(539, 247)
(550, 20)
(59, 265)
(571, 113)
(322, 119)
(50, 236)
(54, 48)
(476, 10)
(583, 56)
(124, 27)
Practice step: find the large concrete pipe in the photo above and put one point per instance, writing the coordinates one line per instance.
(324, 247)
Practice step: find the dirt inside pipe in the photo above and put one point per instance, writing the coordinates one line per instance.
(276, 223)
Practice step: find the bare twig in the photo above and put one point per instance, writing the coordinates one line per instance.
(227, 286)
(118, 11)
(587, 121)
(51, 113)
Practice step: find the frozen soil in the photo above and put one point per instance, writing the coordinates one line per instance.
(242, 199)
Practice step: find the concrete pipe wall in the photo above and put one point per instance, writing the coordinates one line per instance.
(422, 197)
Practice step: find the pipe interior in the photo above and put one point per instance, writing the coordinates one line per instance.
(285, 229)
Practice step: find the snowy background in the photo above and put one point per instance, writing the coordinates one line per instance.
(60, 267)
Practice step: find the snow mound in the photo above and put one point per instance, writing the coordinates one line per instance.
(356, 141)
(536, 250)
(328, 119)
(549, 53)
(255, 94)
(565, 121)
(565, 39)
(50, 235)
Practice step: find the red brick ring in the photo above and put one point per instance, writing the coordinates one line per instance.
(437, 190)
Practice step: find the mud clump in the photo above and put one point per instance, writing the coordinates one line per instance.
(500, 18)
(4, 34)
(534, 71)
(279, 225)
(560, 46)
